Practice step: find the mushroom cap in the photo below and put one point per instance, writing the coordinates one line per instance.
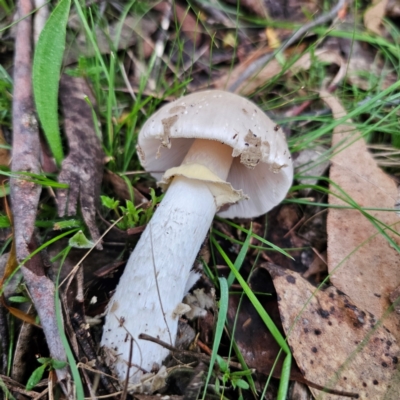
(262, 166)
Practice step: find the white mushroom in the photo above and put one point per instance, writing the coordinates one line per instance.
(213, 151)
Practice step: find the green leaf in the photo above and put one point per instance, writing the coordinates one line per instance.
(223, 366)
(43, 360)
(109, 202)
(4, 221)
(67, 224)
(80, 241)
(57, 364)
(241, 383)
(36, 376)
(46, 74)
(18, 299)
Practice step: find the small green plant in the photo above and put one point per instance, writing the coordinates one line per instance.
(80, 241)
(235, 379)
(132, 216)
(48, 364)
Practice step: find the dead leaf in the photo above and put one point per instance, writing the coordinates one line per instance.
(362, 263)
(257, 6)
(20, 314)
(273, 68)
(121, 190)
(365, 67)
(311, 163)
(272, 37)
(4, 153)
(393, 9)
(317, 266)
(256, 344)
(190, 25)
(132, 28)
(374, 15)
(335, 343)
(326, 56)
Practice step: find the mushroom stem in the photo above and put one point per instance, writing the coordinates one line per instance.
(217, 157)
(158, 273)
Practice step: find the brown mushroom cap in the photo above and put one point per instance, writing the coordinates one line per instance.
(262, 166)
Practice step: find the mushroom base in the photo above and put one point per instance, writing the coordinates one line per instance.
(156, 277)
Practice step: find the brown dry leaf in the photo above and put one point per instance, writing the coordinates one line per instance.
(272, 37)
(393, 9)
(270, 70)
(20, 314)
(365, 67)
(327, 56)
(4, 153)
(334, 343)
(374, 15)
(120, 188)
(361, 261)
(132, 28)
(257, 345)
(273, 68)
(257, 6)
(190, 25)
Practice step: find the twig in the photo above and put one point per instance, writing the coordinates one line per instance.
(25, 195)
(85, 340)
(199, 356)
(126, 383)
(264, 60)
(15, 386)
(26, 144)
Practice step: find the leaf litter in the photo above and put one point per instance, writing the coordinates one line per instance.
(335, 343)
(354, 314)
(362, 262)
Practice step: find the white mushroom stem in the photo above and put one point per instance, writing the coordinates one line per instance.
(158, 273)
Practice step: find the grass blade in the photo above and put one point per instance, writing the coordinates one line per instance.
(285, 375)
(223, 310)
(240, 257)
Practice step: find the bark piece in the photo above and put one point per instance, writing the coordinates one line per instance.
(82, 169)
(362, 263)
(335, 343)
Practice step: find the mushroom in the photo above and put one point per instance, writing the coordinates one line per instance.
(213, 152)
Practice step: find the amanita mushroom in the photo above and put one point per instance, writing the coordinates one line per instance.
(221, 154)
